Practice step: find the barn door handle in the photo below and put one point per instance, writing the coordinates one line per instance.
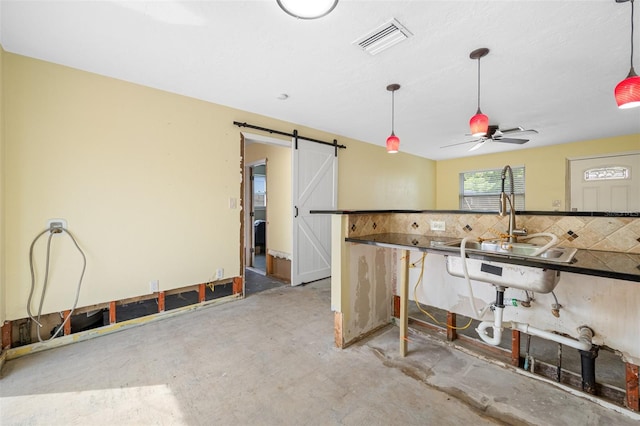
(296, 207)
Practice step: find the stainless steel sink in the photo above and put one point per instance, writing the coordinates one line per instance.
(539, 280)
(516, 250)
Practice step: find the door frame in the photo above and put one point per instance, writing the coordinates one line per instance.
(246, 231)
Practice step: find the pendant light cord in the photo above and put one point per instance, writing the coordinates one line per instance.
(478, 84)
(631, 34)
(393, 110)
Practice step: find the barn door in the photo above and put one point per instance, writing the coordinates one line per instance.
(315, 187)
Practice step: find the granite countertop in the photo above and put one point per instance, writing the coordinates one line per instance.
(518, 213)
(622, 266)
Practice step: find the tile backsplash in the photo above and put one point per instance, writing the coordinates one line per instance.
(608, 233)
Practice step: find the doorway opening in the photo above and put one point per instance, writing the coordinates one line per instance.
(266, 235)
(258, 214)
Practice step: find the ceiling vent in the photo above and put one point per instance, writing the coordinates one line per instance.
(383, 37)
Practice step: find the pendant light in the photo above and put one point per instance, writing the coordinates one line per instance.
(627, 92)
(393, 142)
(305, 9)
(479, 123)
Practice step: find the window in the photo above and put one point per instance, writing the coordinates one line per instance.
(608, 173)
(480, 189)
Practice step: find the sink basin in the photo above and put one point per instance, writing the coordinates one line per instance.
(530, 278)
(517, 250)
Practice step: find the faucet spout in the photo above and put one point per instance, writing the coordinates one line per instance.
(512, 231)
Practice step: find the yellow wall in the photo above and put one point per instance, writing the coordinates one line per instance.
(369, 178)
(3, 311)
(144, 179)
(546, 169)
(279, 226)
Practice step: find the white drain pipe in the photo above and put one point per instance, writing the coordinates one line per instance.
(583, 343)
(497, 328)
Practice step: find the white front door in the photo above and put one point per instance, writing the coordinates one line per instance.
(315, 187)
(606, 184)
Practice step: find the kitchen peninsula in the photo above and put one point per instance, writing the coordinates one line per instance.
(375, 255)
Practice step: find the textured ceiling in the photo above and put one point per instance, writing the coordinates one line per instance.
(553, 65)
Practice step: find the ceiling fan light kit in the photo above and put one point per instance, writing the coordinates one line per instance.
(627, 92)
(479, 123)
(393, 142)
(305, 9)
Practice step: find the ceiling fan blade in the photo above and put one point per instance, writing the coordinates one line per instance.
(459, 143)
(478, 145)
(512, 140)
(517, 130)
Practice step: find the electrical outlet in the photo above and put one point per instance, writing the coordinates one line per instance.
(437, 225)
(154, 286)
(219, 273)
(233, 203)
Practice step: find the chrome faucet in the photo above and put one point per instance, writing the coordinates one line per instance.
(512, 231)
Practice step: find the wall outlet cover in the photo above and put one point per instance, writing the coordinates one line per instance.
(57, 223)
(437, 225)
(219, 273)
(154, 286)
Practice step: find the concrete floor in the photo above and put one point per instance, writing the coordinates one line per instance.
(270, 359)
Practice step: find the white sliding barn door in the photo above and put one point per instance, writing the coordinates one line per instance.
(315, 187)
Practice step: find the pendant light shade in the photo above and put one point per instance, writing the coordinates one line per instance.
(393, 142)
(306, 9)
(627, 92)
(479, 123)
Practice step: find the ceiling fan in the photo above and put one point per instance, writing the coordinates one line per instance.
(496, 135)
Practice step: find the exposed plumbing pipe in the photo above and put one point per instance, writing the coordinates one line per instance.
(496, 325)
(583, 343)
(588, 365)
(498, 311)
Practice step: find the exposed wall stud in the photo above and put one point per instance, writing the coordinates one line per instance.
(67, 325)
(161, 301)
(515, 348)
(451, 323)
(112, 312)
(633, 387)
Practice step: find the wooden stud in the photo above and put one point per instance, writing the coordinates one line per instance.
(396, 306)
(237, 285)
(633, 387)
(7, 338)
(515, 348)
(451, 323)
(202, 293)
(161, 301)
(337, 329)
(67, 325)
(112, 312)
(404, 297)
(269, 264)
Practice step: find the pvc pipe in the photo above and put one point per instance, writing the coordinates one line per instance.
(496, 325)
(463, 259)
(583, 343)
